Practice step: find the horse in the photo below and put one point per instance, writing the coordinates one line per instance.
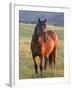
(43, 44)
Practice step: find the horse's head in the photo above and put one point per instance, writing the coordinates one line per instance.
(41, 27)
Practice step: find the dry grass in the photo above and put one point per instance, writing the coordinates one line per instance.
(26, 64)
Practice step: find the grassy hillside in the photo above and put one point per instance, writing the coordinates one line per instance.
(26, 64)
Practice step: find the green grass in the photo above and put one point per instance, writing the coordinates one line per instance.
(26, 64)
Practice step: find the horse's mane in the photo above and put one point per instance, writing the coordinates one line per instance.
(35, 33)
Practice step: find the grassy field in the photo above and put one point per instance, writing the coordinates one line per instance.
(26, 64)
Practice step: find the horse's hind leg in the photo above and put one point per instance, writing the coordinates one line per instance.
(41, 68)
(45, 66)
(50, 59)
(54, 56)
(36, 64)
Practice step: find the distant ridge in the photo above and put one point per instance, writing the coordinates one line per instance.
(53, 18)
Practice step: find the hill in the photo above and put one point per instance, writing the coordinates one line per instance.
(53, 18)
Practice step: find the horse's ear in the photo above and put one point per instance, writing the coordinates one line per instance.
(39, 20)
(45, 20)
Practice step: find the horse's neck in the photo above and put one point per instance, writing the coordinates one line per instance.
(35, 34)
(35, 30)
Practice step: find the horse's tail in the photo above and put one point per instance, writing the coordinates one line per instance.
(56, 41)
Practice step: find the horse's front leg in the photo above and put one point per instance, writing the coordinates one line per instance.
(41, 63)
(35, 64)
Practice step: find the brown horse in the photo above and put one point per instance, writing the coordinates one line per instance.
(43, 44)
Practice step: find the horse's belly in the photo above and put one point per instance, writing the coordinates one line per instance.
(49, 47)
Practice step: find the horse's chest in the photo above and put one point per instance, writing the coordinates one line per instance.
(35, 48)
(43, 48)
